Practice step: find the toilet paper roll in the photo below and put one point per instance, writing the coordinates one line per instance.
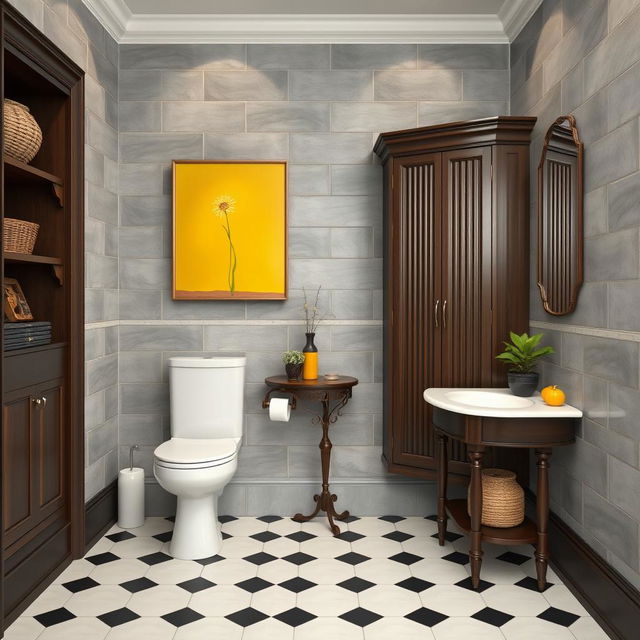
(131, 498)
(279, 410)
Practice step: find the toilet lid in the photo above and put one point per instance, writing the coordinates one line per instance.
(193, 450)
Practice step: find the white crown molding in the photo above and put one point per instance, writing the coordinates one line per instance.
(514, 14)
(114, 15)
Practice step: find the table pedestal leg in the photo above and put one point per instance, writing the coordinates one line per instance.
(475, 509)
(325, 500)
(443, 470)
(542, 513)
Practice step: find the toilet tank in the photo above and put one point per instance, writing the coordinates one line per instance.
(207, 396)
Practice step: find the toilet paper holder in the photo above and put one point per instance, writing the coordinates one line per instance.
(267, 399)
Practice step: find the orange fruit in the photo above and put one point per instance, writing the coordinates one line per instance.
(553, 396)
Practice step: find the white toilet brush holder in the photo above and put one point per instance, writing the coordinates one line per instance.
(131, 495)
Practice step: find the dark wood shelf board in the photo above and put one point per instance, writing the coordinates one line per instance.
(42, 347)
(25, 258)
(522, 534)
(16, 171)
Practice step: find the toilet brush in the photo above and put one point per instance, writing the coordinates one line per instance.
(131, 494)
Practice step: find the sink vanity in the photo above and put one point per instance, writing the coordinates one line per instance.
(482, 418)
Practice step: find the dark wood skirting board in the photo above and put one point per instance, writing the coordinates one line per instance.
(101, 512)
(611, 599)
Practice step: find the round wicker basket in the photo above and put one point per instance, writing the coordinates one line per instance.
(22, 135)
(19, 236)
(502, 499)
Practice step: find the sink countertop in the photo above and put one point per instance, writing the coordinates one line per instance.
(439, 397)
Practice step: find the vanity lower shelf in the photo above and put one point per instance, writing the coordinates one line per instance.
(524, 533)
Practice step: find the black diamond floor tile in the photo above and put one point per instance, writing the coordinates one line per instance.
(398, 536)
(353, 558)
(492, 616)
(297, 584)
(252, 585)
(466, 584)
(415, 584)
(449, 536)
(393, 519)
(196, 584)
(155, 558)
(56, 616)
(356, 584)
(405, 558)
(299, 558)
(432, 517)
(164, 537)
(226, 536)
(223, 519)
(350, 519)
(80, 585)
(360, 617)
(264, 536)
(350, 536)
(182, 616)
(559, 616)
(139, 584)
(270, 518)
(532, 584)
(295, 617)
(102, 558)
(260, 558)
(120, 536)
(300, 536)
(513, 558)
(118, 617)
(247, 617)
(210, 559)
(426, 617)
(457, 557)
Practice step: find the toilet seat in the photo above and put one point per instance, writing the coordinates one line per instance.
(196, 453)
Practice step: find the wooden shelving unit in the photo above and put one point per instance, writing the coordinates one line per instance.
(26, 258)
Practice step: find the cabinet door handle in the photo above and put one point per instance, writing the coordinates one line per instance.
(43, 400)
(435, 313)
(36, 401)
(444, 314)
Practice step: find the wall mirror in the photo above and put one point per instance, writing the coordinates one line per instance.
(560, 232)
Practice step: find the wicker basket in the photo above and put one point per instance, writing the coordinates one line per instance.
(502, 499)
(22, 135)
(19, 236)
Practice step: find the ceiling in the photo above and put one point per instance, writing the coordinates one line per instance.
(303, 21)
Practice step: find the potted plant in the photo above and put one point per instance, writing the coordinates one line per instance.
(293, 361)
(522, 355)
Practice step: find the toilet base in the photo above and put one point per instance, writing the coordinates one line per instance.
(196, 532)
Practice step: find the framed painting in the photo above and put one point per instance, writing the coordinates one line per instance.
(229, 230)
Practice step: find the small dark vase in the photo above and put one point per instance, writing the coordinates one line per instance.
(293, 370)
(523, 384)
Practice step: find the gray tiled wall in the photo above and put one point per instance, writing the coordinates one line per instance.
(75, 30)
(321, 108)
(584, 57)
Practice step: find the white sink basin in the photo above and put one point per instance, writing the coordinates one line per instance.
(488, 399)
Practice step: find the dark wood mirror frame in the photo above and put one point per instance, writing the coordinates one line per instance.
(560, 217)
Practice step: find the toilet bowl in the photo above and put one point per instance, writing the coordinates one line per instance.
(202, 455)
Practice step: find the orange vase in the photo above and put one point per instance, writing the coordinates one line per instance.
(310, 366)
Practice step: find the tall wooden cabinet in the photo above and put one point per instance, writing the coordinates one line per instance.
(42, 432)
(456, 272)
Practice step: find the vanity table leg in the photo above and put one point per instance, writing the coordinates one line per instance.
(476, 454)
(443, 471)
(542, 512)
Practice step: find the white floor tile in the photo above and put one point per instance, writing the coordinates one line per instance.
(119, 571)
(587, 629)
(428, 547)
(143, 628)
(76, 570)
(560, 597)
(268, 629)
(209, 629)
(174, 571)
(244, 527)
(152, 527)
(515, 601)
(277, 571)
(229, 571)
(24, 628)
(324, 628)
(326, 571)
(381, 571)
(389, 600)
(499, 572)
(51, 598)
(220, 601)
(325, 547)
(136, 547)
(534, 629)
(102, 546)
(281, 547)
(376, 547)
(452, 600)
(439, 571)
(469, 628)
(76, 629)
(371, 527)
(399, 629)
(240, 547)
(417, 527)
(273, 600)
(98, 600)
(327, 600)
(159, 600)
(284, 527)
(320, 527)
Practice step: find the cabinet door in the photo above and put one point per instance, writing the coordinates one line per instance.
(466, 257)
(413, 347)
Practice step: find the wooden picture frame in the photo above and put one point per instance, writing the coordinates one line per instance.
(16, 307)
(229, 230)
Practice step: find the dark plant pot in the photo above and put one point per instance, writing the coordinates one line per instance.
(523, 384)
(293, 371)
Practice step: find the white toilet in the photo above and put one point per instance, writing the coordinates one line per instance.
(207, 397)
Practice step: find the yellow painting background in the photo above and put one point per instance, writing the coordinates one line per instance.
(201, 247)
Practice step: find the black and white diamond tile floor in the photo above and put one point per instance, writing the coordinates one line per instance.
(276, 579)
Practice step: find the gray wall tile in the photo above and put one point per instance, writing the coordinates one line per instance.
(600, 249)
(247, 146)
(437, 112)
(373, 56)
(182, 56)
(288, 56)
(245, 85)
(485, 84)
(203, 116)
(343, 148)
(463, 56)
(431, 84)
(182, 85)
(269, 116)
(623, 202)
(159, 338)
(352, 243)
(150, 147)
(306, 242)
(331, 85)
(261, 338)
(332, 211)
(309, 180)
(356, 180)
(140, 305)
(372, 116)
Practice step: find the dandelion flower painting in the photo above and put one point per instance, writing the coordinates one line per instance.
(229, 222)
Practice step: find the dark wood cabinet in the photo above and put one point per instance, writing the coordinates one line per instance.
(42, 430)
(456, 272)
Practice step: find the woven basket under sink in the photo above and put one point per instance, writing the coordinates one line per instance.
(502, 499)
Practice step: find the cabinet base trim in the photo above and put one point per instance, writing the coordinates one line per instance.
(101, 513)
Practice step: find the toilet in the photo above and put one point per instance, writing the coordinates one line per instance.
(199, 460)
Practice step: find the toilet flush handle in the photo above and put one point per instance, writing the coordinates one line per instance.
(132, 448)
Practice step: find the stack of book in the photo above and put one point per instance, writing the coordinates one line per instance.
(18, 335)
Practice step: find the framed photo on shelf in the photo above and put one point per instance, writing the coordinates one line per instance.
(16, 307)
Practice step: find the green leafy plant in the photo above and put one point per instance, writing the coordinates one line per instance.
(522, 353)
(293, 357)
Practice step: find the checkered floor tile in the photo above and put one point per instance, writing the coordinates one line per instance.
(277, 579)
